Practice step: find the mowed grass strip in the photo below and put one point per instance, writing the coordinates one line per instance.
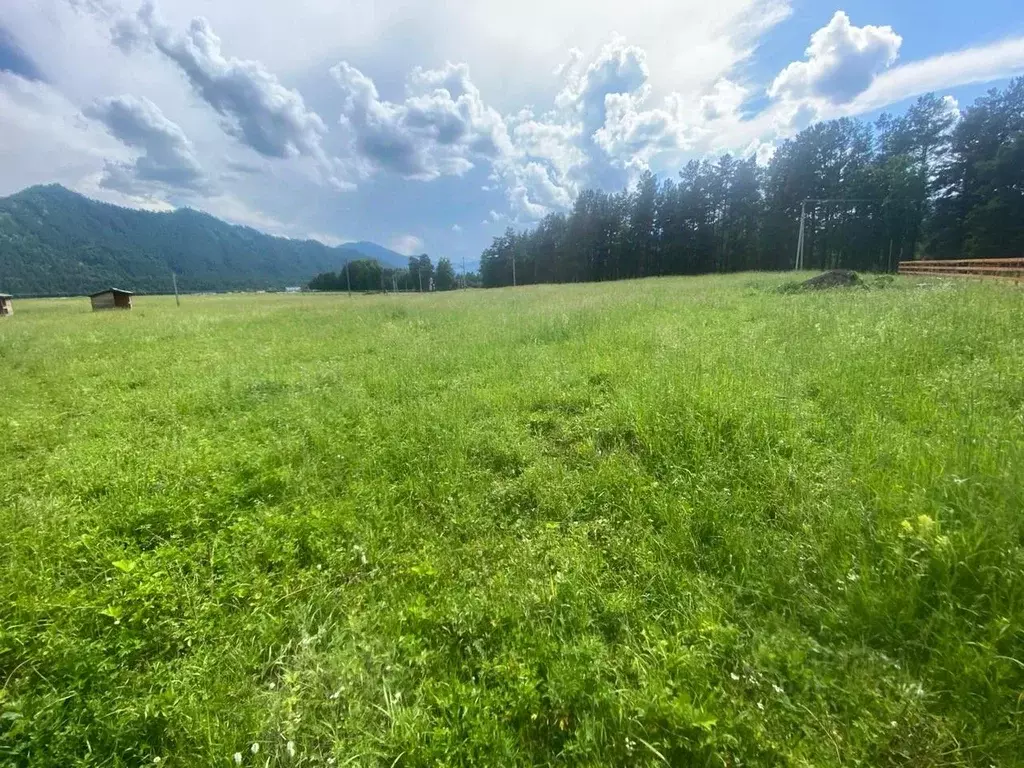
(674, 521)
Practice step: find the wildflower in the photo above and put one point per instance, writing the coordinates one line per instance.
(760, 706)
(290, 749)
(238, 758)
(255, 747)
(734, 676)
(777, 689)
(156, 760)
(630, 745)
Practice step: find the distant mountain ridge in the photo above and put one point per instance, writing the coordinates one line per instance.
(55, 241)
(379, 253)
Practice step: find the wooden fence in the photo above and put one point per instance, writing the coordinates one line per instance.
(1012, 269)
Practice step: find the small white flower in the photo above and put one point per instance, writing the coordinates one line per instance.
(156, 760)
(734, 676)
(290, 749)
(331, 761)
(238, 758)
(255, 747)
(777, 689)
(760, 706)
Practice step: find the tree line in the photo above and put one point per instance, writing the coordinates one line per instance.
(369, 275)
(929, 183)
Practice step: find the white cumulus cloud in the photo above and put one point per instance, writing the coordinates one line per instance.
(442, 127)
(167, 156)
(257, 109)
(841, 62)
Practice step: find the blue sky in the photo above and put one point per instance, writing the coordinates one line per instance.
(429, 126)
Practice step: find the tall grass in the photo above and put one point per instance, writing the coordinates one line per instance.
(676, 521)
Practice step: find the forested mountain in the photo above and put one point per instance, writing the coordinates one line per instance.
(923, 184)
(385, 256)
(54, 241)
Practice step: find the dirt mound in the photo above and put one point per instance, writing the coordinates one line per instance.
(836, 278)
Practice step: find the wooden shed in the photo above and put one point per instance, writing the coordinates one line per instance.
(112, 298)
(6, 307)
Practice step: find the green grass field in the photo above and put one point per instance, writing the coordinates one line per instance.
(675, 521)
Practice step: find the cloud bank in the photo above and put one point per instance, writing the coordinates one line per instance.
(469, 118)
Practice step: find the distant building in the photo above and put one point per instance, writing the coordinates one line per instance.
(6, 307)
(293, 289)
(112, 298)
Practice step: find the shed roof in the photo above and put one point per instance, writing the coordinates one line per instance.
(6, 296)
(111, 290)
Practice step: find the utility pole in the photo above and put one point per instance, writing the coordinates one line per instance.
(394, 283)
(800, 238)
(513, 269)
(463, 271)
(348, 281)
(419, 274)
(174, 279)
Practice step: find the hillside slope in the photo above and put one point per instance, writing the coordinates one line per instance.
(375, 252)
(54, 241)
